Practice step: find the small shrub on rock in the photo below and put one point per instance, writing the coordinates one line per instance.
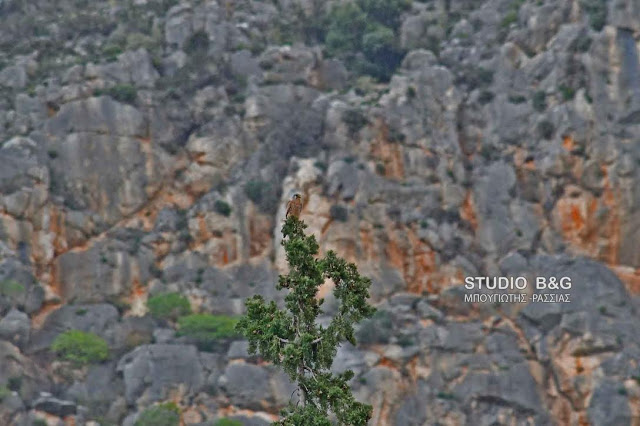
(80, 347)
(597, 11)
(539, 101)
(355, 120)
(168, 306)
(255, 190)
(227, 422)
(167, 414)
(124, 93)
(198, 42)
(4, 392)
(11, 288)
(222, 207)
(206, 329)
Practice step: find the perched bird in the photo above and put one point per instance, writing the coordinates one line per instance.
(294, 206)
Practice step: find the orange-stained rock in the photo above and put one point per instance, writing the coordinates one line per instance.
(389, 153)
(468, 211)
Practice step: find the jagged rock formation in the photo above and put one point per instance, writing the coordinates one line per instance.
(148, 146)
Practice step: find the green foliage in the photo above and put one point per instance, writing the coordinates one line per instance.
(387, 12)
(207, 329)
(320, 165)
(476, 77)
(14, 383)
(39, 422)
(166, 414)
(517, 99)
(582, 44)
(227, 422)
(222, 207)
(121, 92)
(382, 53)
(510, 18)
(4, 392)
(355, 120)
(539, 101)
(11, 288)
(445, 395)
(198, 42)
(292, 339)
(168, 306)
(567, 92)
(80, 347)
(597, 11)
(339, 213)
(255, 190)
(347, 23)
(111, 51)
(485, 97)
(296, 24)
(512, 15)
(364, 35)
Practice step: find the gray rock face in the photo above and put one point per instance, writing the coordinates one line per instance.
(106, 270)
(19, 286)
(344, 180)
(55, 406)
(254, 387)
(609, 406)
(22, 177)
(152, 372)
(19, 369)
(516, 388)
(179, 25)
(15, 327)
(92, 139)
(132, 67)
(496, 229)
(97, 319)
(101, 115)
(13, 76)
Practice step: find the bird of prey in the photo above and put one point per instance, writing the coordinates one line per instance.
(294, 206)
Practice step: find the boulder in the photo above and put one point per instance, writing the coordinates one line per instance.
(15, 327)
(55, 406)
(152, 372)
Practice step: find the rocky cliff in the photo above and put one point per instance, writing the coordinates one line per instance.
(149, 146)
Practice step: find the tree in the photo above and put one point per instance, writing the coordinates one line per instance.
(292, 339)
(364, 35)
(380, 49)
(387, 12)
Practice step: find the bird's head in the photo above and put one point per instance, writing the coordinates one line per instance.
(296, 196)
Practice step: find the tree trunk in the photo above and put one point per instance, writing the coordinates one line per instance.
(303, 391)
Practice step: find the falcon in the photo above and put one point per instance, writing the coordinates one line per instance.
(294, 206)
